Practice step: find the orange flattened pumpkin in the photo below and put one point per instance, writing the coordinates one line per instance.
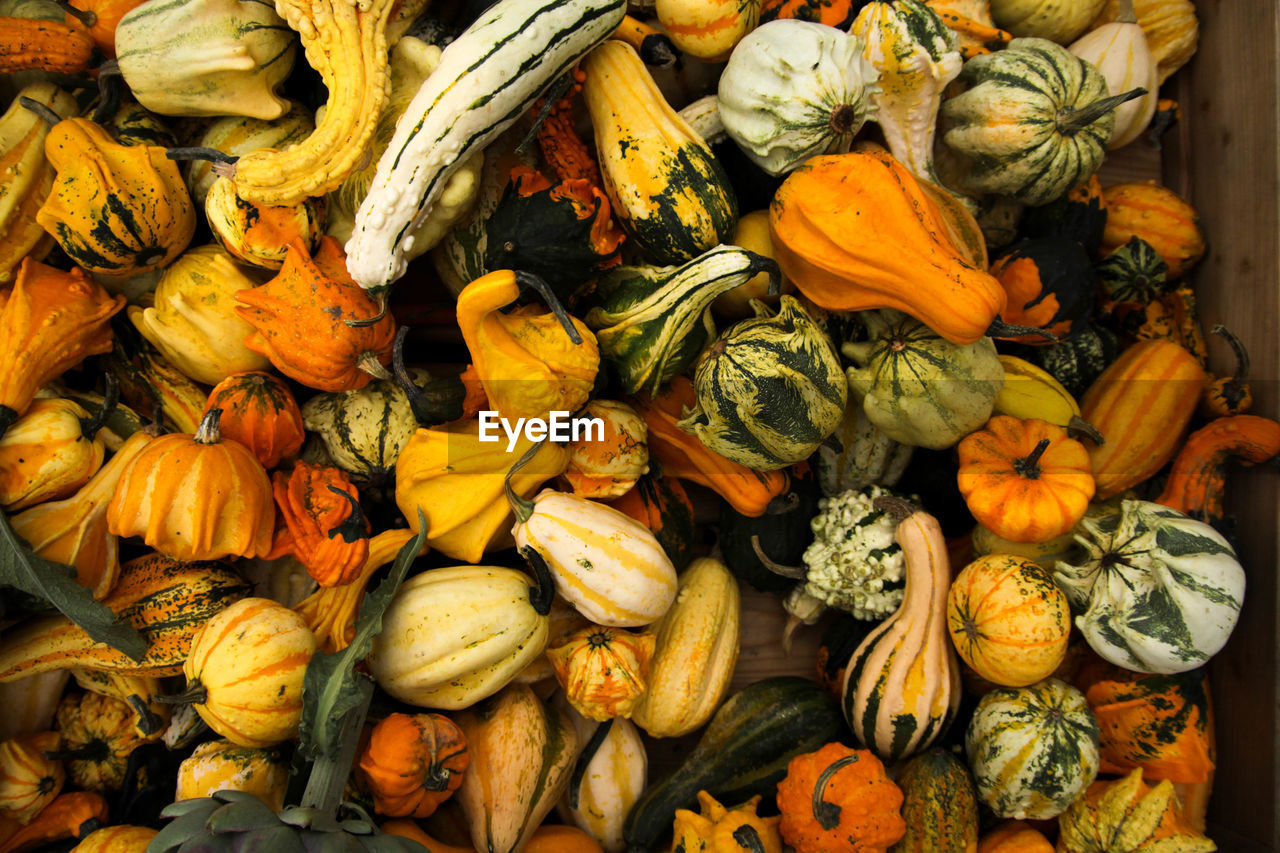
(840, 800)
(259, 412)
(413, 763)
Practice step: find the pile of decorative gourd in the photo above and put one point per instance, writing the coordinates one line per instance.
(837, 371)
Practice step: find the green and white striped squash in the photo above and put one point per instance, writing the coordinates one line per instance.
(364, 430)
(652, 323)
(668, 191)
(917, 56)
(487, 78)
(188, 57)
(919, 388)
(793, 89)
(865, 456)
(1158, 591)
(1033, 123)
(770, 390)
(1032, 750)
(1135, 272)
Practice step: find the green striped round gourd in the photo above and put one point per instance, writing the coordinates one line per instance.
(1033, 749)
(770, 390)
(1135, 272)
(940, 805)
(1033, 123)
(187, 57)
(1078, 360)
(1158, 591)
(919, 388)
(363, 430)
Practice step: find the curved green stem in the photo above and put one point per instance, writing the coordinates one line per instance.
(798, 573)
(541, 595)
(522, 507)
(381, 298)
(1079, 426)
(1000, 329)
(827, 814)
(355, 527)
(40, 109)
(529, 281)
(195, 694)
(1071, 122)
(588, 753)
(111, 396)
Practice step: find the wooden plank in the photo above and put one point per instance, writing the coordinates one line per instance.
(1225, 160)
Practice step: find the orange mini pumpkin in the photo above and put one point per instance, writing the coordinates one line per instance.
(1159, 216)
(313, 321)
(195, 497)
(49, 322)
(1008, 620)
(259, 411)
(603, 670)
(324, 527)
(413, 763)
(839, 800)
(1026, 481)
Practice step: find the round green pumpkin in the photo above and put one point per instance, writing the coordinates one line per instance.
(770, 389)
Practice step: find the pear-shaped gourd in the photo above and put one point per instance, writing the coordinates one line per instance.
(793, 89)
(1120, 51)
(918, 388)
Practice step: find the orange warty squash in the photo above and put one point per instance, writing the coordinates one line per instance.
(49, 322)
(213, 502)
(303, 320)
(1160, 723)
(324, 527)
(1008, 620)
(259, 411)
(1141, 404)
(1159, 216)
(1026, 481)
(839, 799)
(28, 780)
(855, 232)
(413, 763)
(1197, 479)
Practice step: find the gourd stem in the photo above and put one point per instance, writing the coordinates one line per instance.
(40, 109)
(8, 417)
(1071, 122)
(763, 263)
(522, 507)
(1126, 15)
(798, 573)
(532, 282)
(111, 88)
(1029, 465)
(208, 431)
(588, 753)
(369, 321)
(449, 391)
(211, 155)
(549, 100)
(1000, 329)
(1079, 426)
(1237, 346)
(900, 509)
(195, 694)
(148, 722)
(370, 364)
(748, 838)
(86, 17)
(657, 49)
(541, 596)
(354, 528)
(111, 396)
(827, 814)
(437, 778)
(95, 750)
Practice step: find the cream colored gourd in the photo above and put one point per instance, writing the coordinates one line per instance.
(697, 648)
(522, 754)
(1056, 20)
(902, 686)
(916, 56)
(193, 321)
(611, 783)
(793, 89)
(609, 566)
(1120, 51)
(456, 635)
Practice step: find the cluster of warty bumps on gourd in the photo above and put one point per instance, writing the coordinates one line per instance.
(858, 327)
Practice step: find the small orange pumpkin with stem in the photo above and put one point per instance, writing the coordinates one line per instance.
(839, 799)
(1026, 481)
(1008, 620)
(260, 412)
(413, 763)
(324, 527)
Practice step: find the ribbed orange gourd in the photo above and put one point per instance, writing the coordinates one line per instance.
(303, 321)
(856, 231)
(49, 322)
(323, 525)
(28, 780)
(61, 47)
(1158, 215)
(259, 411)
(1026, 481)
(841, 800)
(115, 209)
(1141, 404)
(245, 671)
(413, 763)
(48, 453)
(213, 500)
(1008, 620)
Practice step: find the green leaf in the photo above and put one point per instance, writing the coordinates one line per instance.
(329, 689)
(55, 583)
